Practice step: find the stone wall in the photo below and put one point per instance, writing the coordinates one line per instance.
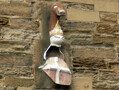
(91, 28)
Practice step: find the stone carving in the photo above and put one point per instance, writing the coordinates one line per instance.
(55, 67)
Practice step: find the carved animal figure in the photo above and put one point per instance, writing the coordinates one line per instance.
(55, 67)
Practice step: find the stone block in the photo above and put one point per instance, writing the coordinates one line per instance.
(15, 8)
(16, 71)
(94, 52)
(80, 1)
(15, 60)
(82, 15)
(19, 35)
(89, 63)
(107, 28)
(82, 83)
(105, 38)
(23, 60)
(108, 17)
(4, 21)
(118, 18)
(3, 0)
(106, 5)
(17, 81)
(77, 26)
(25, 88)
(23, 23)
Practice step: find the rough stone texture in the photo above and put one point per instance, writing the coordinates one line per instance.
(15, 82)
(108, 17)
(15, 8)
(94, 52)
(106, 5)
(80, 15)
(80, 1)
(77, 26)
(25, 88)
(82, 83)
(91, 48)
(108, 28)
(89, 63)
(15, 60)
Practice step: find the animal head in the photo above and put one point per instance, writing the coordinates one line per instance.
(58, 9)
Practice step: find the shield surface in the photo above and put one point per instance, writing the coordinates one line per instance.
(58, 71)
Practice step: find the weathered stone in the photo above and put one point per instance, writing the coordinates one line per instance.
(94, 52)
(23, 23)
(4, 21)
(79, 37)
(16, 81)
(77, 26)
(89, 63)
(107, 28)
(19, 34)
(80, 1)
(105, 38)
(15, 8)
(81, 41)
(82, 83)
(26, 71)
(108, 17)
(15, 60)
(81, 15)
(25, 88)
(23, 60)
(3, 0)
(106, 5)
(114, 65)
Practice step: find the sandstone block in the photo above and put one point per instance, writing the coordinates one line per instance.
(108, 17)
(105, 38)
(16, 81)
(4, 21)
(118, 18)
(89, 63)
(80, 1)
(23, 60)
(15, 60)
(23, 23)
(15, 8)
(25, 88)
(78, 26)
(81, 15)
(94, 52)
(106, 5)
(82, 83)
(3, 0)
(107, 28)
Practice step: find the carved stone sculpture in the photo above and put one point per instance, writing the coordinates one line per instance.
(55, 67)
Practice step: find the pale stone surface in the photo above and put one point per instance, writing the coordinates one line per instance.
(16, 8)
(82, 83)
(80, 15)
(80, 1)
(15, 82)
(94, 52)
(106, 5)
(25, 88)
